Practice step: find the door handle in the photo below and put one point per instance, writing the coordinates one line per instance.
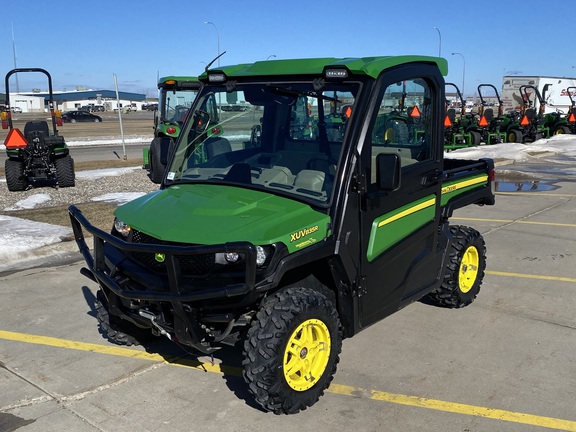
(431, 178)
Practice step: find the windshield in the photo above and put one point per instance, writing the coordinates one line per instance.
(284, 139)
(175, 104)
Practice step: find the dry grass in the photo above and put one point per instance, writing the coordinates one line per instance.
(100, 214)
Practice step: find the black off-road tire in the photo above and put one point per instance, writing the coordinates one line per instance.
(295, 334)
(514, 136)
(65, 171)
(561, 130)
(157, 168)
(15, 179)
(117, 330)
(464, 272)
(396, 131)
(475, 138)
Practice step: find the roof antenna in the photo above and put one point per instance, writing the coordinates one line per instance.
(210, 64)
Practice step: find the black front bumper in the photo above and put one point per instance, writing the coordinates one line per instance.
(112, 268)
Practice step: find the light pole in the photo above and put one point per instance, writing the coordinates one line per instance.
(218, 34)
(439, 42)
(463, 71)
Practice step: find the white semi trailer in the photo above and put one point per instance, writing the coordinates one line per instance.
(554, 90)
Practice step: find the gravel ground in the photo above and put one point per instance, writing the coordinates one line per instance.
(86, 189)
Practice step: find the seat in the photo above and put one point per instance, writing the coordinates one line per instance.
(309, 180)
(36, 128)
(215, 146)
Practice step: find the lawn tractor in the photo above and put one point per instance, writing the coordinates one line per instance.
(492, 129)
(460, 131)
(571, 115)
(556, 122)
(532, 121)
(37, 156)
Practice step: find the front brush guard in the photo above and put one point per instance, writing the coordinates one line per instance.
(177, 291)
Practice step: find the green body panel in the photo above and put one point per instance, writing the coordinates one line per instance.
(214, 214)
(391, 227)
(370, 66)
(162, 130)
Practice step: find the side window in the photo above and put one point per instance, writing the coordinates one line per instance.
(402, 123)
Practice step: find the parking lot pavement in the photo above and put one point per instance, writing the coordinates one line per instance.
(505, 363)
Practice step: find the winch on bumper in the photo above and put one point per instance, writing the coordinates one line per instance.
(168, 301)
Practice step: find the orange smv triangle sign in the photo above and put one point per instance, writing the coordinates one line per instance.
(15, 140)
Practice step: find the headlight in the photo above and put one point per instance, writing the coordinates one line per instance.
(233, 257)
(121, 227)
(260, 256)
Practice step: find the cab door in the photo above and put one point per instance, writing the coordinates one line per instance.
(399, 228)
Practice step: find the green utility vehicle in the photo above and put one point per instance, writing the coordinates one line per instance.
(286, 241)
(37, 156)
(175, 96)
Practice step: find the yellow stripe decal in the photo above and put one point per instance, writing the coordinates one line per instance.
(344, 390)
(408, 212)
(463, 184)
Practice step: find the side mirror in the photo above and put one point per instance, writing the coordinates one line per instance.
(388, 169)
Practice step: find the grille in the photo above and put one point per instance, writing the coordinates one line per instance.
(197, 265)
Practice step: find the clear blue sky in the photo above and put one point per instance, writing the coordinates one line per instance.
(85, 42)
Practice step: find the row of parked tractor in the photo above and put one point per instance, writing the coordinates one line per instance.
(463, 129)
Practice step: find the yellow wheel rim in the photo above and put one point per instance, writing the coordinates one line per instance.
(389, 135)
(306, 355)
(468, 269)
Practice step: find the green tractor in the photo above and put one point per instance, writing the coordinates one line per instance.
(556, 122)
(571, 115)
(38, 156)
(492, 129)
(175, 96)
(460, 131)
(532, 121)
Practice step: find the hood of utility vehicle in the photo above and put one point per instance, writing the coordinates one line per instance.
(214, 214)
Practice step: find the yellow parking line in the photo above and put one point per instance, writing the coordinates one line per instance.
(458, 408)
(415, 401)
(537, 193)
(515, 221)
(531, 276)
